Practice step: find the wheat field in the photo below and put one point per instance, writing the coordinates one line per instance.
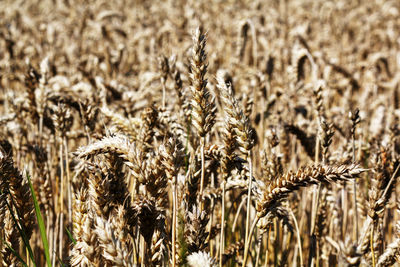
(199, 133)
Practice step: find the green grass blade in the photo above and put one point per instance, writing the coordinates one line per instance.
(60, 262)
(20, 227)
(15, 253)
(42, 227)
(70, 236)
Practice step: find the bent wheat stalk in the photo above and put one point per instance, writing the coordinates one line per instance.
(277, 190)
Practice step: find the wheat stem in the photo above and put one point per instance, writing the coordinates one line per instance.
(203, 140)
(247, 243)
(249, 196)
(355, 190)
(69, 192)
(372, 245)
(61, 229)
(222, 238)
(298, 237)
(175, 203)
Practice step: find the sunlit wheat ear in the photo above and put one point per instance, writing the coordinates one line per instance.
(41, 91)
(62, 119)
(173, 127)
(127, 126)
(121, 145)
(159, 246)
(179, 87)
(192, 185)
(322, 215)
(392, 252)
(203, 110)
(7, 118)
(31, 82)
(41, 181)
(88, 113)
(236, 118)
(149, 119)
(281, 187)
(325, 137)
(83, 252)
(98, 193)
(12, 238)
(114, 252)
(380, 180)
(15, 199)
(156, 185)
(201, 259)
(164, 66)
(319, 101)
(172, 157)
(195, 229)
(228, 132)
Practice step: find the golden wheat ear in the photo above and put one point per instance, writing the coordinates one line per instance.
(281, 187)
(203, 110)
